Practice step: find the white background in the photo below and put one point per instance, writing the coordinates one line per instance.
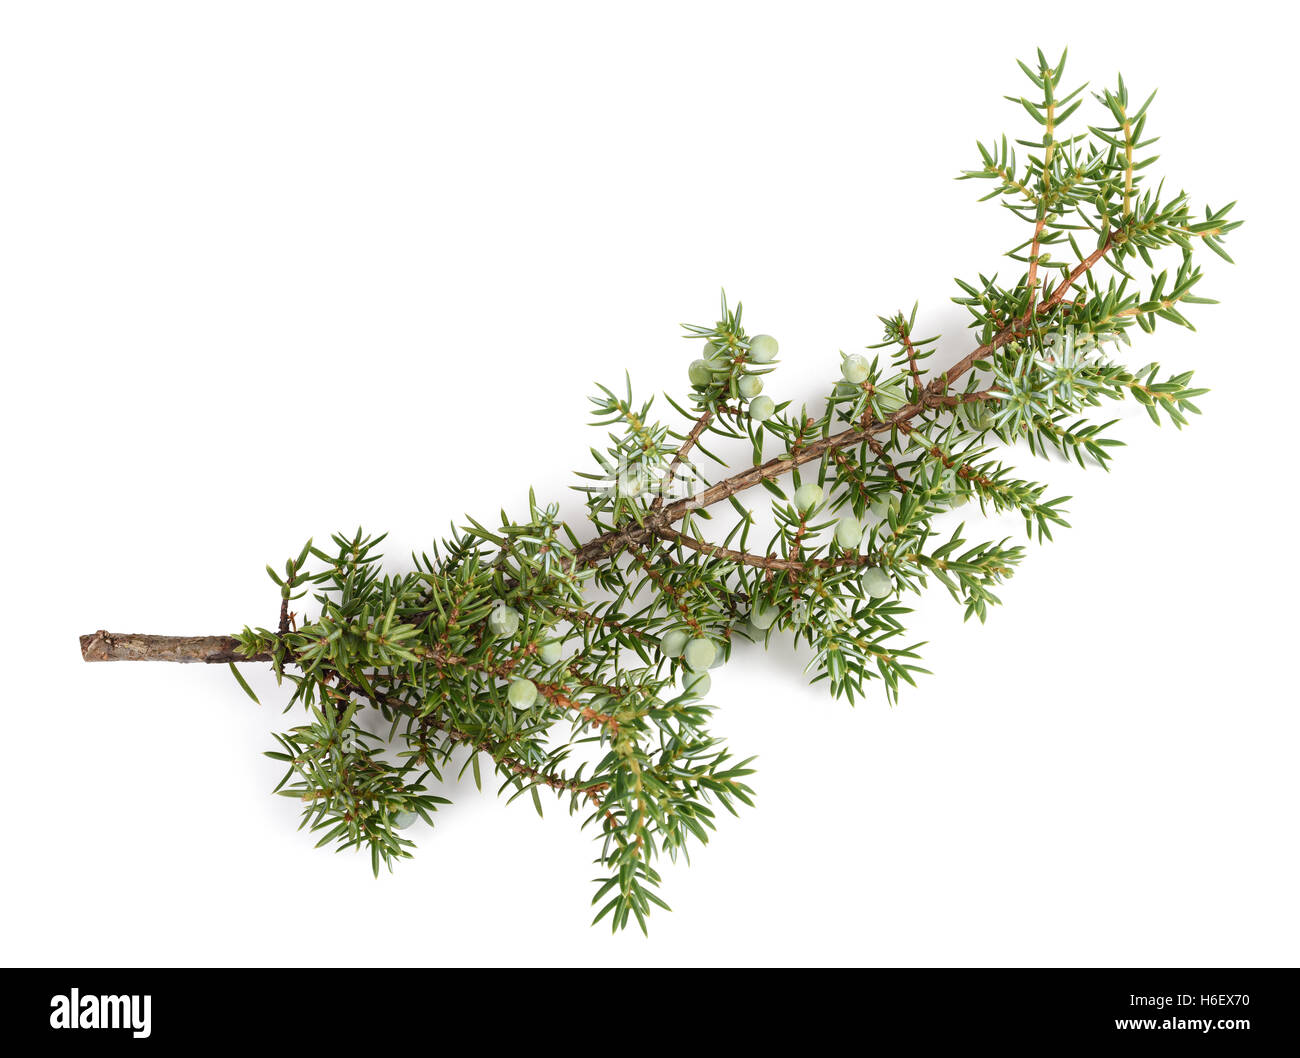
(271, 270)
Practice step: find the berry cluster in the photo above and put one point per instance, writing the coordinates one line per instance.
(733, 366)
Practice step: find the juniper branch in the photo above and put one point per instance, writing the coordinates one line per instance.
(498, 642)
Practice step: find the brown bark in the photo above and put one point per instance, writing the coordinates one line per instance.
(127, 646)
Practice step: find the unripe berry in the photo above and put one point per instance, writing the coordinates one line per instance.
(762, 617)
(522, 694)
(551, 652)
(701, 373)
(978, 415)
(712, 350)
(889, 398)
(699, 654)
(806, 497)
(503, 621)
(849, 532)
(750, 386)
(673, 643)
(955, 487)
(762, 349)
(697, 684)
(762, 408)
(855, 369)
(877, 583)
(402, 820)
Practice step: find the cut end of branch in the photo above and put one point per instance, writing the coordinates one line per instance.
(128, 646)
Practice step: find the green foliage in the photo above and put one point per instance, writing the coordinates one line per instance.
(616, 729)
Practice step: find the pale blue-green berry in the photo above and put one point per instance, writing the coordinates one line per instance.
(877, 583)
(750, 386)
(959, 498)
(806, 497)
(719, 661)
(522, 693)
(762, 408)
(701, 373)
(879, 508)
(673, 643)
(855, 369)
(551, 652)
(763, 617)
(402, 820)
(849, 531)
(699, 654)
(712, 350)
(762, 349)
(503, 621)
(697, 684)
(889, 398)
(978, 415)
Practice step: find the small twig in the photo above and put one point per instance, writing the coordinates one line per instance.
(911, 356)
(878, 450)
(772, 563)
(688, 443)
(669, 593)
